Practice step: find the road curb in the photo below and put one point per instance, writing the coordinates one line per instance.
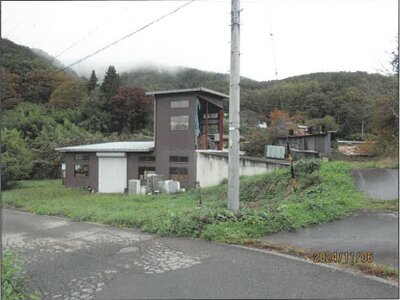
(332, 267)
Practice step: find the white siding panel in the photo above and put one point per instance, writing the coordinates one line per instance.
(112, 174)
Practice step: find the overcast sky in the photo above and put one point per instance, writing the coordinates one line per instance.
(308, 36)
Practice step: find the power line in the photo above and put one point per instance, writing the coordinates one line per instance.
(128, 35)
(82, 38)
(16, 26)
(75, 43)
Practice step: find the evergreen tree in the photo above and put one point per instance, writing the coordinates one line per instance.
(92, 83)
(109, 89)
(110, 84)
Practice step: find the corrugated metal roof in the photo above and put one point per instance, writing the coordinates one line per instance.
(111, 147)
(193, 90)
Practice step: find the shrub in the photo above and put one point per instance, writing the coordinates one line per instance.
(307, 166)
(16, 159)
(14, 281)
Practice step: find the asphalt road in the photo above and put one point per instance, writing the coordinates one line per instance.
(78, 260)
(365, 232)
(380, 184)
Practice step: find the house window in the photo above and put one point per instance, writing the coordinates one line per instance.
(145, 171)
(83, 157)
(178, 159)
(178, 173)
(180, 104)
(179, 122)
(81, 170)
(147, 158)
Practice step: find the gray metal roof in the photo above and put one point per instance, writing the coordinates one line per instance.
(193, 90)
(111, 147)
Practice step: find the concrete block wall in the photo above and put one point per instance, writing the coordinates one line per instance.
(212, 169)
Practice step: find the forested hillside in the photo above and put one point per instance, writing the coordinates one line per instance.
(44, 108)
(346, 96)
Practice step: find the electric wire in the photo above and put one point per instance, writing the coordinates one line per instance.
(75, 43)
(127, 36)
(81, 39)
(16, 26)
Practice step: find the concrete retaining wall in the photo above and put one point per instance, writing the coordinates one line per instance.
(212, 168)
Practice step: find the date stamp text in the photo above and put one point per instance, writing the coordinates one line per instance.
(343, 257)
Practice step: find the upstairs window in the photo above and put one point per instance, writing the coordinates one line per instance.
(178, 159)
(82, 157)
(180, 104)
(147, 158)
(179, 122)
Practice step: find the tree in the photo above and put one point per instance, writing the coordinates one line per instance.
(395, 61)
(37, 87)
(110, 84)
(324, 124)
(256, 141)
(130, 109)
(385, 122)
(16, 159)
(92, 83)
(29, 119)
(70, 94)
(94, 118)
(280, 123)
(9, 84)
(46, 160)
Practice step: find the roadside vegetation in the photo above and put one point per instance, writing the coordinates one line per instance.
(268, 204)
(14, 281)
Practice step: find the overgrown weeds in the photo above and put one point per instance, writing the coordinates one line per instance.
(268, 204)
(14, 281)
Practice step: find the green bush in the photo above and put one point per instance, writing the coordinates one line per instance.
(16, 159)
(14, 281)
(307, 166)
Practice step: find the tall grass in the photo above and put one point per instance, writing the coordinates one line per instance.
(268, 204)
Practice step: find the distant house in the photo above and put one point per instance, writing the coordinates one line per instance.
(187, 147)
(262, 125)
(313, 143)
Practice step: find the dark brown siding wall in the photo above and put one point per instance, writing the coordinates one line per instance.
(134, 164)
(132, 168)
(74, 182)
(175, 143)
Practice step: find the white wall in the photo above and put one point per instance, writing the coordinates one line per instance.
(212, 169)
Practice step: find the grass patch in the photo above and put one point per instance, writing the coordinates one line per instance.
(376, 163)
(374, 269)
(388, 205)
(268, 205)
(14, 281)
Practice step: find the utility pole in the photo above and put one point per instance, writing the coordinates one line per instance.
(234, 109)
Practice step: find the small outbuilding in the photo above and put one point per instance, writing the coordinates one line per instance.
(319, 143)
(106, 167)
